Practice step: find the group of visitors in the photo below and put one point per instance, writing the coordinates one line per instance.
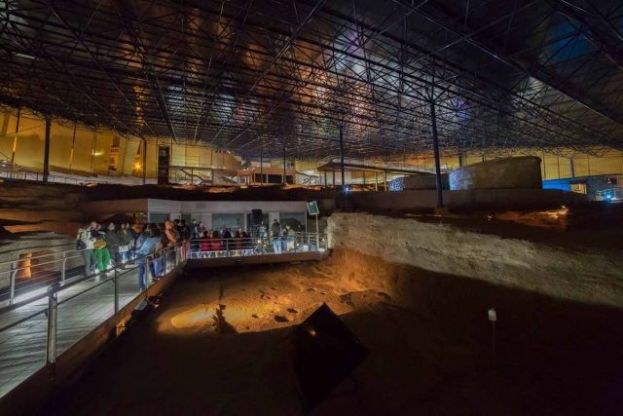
(104, 246)
(283, 238)
(214, 243)
(112, 245)
(153, 245)
(277, 239)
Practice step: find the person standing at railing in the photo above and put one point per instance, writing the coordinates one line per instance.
(184, 232)
(291, 238)
(159, 252)
(85, 243)
(170, 239)
(195, 232)
(204, 245)
(102, 255)
(135, 231)
(284, 240)
(195, 235)
(247, 244)
(216, 245)
(275, 231)
(227, 240)
(145, 245)
(112, 243)
(171, 233)
(125, 241)
(236, 244)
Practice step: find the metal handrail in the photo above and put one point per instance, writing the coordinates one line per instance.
(173, 257)
(54, 302)
(118, 272)
(54, 253)
(229, 245)
(250, 246)
(14, 270)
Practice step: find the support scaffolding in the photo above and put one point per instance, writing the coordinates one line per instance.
(532, 74)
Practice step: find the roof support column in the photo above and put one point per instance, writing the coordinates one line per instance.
(433, 119)
(284, 163)
(261, 161)
(144, 161)
(73, 146)
(46, 152)
(460, 156)
(14, 148)
(342, 157)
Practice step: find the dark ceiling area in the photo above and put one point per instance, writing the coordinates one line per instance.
(257, 76)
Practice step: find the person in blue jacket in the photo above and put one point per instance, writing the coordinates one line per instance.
(146, 244)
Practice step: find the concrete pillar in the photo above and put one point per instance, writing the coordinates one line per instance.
(46, 152)
(206, 219)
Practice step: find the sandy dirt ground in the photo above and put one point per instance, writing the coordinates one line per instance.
(429, 339)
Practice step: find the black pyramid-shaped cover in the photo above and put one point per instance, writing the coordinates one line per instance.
(326, 352)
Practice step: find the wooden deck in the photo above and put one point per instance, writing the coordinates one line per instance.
(23, 347)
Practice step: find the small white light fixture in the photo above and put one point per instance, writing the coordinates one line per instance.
(493, 316)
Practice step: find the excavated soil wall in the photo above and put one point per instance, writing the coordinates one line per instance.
(589, 276)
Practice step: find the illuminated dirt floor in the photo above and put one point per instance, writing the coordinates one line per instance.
(429, 341)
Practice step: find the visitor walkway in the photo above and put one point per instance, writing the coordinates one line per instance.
(40, 324)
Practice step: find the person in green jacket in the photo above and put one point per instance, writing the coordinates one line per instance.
(102, 255)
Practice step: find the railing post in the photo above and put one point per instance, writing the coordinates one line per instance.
(52, 323)
(147, 272)
(227, 247)
(12, 282)
(116, 283)
(64, 267)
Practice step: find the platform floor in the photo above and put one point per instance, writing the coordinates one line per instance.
(23, 347)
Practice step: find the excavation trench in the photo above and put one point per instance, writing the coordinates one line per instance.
(429, 339)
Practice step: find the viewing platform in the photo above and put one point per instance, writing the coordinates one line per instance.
(71, 316)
